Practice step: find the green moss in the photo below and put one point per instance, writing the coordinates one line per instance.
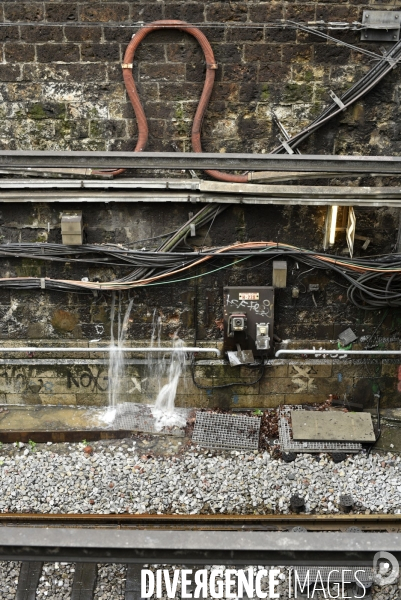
(95, 129)
(294, 92)
(265, 93)
(37, 111)
(29, 268)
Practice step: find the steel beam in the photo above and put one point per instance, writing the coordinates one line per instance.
(194, 547)
(390, 165)
(194, 192)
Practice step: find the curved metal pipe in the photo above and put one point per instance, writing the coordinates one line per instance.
(133, 95)
(193, 349)
(336, 352)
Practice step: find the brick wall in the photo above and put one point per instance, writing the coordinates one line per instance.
(61, 88)
(61, 82)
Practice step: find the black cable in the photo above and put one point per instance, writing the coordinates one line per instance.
(260, 366)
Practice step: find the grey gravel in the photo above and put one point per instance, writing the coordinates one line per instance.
(116, 479)
(56, 581)
(110, 583)
(9, 573)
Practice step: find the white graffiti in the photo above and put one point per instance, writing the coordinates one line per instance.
(263, 310)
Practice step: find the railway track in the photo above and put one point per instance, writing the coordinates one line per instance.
(90, 541)
(337, 522)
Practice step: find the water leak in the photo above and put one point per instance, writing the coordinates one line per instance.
(164, 411)
(116, 355)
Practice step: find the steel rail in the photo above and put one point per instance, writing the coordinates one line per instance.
(332, 522)
(143, 546)
(181, 160)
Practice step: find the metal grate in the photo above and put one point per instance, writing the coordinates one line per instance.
(139, 417)
(287, 444)
(226, 431)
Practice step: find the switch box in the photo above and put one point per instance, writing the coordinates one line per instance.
(72, 228)
(249, 319)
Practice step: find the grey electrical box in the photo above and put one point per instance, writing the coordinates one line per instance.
(381, 25)
(72, 228)
(249, 319)
(279, 273)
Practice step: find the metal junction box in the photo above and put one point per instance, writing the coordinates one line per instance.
(249, 319)
(72, 228)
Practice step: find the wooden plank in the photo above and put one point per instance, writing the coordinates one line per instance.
(133, 582)
(28, 580)
(84, 582)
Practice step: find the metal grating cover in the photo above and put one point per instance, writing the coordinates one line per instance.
(139, 417)
(226, 431)
(287, 444)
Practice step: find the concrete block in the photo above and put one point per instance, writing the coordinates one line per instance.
(59, 399)
(274, 370)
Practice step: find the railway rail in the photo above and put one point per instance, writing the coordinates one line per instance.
(333, 522)
(135, 540)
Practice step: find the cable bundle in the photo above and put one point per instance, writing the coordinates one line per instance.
(374, 282)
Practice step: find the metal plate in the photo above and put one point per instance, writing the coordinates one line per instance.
(382, 25)
(332, 426)
(288, 444)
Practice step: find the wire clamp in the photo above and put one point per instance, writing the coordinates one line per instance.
(42, 283)
(286, 146)
(127, 65)
(212, 66)
(337, 100)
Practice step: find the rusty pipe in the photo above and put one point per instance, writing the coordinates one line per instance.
(133, 95)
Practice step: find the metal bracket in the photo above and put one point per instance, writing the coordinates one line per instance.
(286, 146)
(337, 100)
(127, 65)
(381, 26)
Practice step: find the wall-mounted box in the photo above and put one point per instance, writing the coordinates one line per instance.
(279, 274)
(72, 228)
(249, 319)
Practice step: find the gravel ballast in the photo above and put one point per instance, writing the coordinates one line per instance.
(62, 478)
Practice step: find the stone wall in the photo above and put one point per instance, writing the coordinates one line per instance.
(61, 82)
(82, 381)
(61, 88)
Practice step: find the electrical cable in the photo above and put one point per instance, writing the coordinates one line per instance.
(373, 282)
(260, 366)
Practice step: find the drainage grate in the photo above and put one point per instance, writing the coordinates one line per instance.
(139, 417)
(226, 431)
(287, 444)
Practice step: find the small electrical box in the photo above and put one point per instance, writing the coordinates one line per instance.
(72, 228)
(249, 319)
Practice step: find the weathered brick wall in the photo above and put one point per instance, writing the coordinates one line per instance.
(61, 88)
